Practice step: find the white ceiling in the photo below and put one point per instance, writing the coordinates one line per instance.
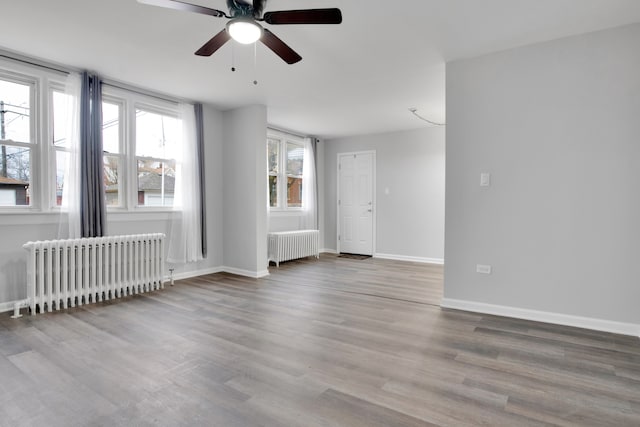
(355, 78)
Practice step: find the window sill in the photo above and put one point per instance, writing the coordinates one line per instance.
(122, 215)
(11, 217)
(290, 212)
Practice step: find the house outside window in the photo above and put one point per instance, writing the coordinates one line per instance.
(157, 140)
(285, 158)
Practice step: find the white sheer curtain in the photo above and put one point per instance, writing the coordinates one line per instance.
(185, 244)
(309, 220)
(70, 228)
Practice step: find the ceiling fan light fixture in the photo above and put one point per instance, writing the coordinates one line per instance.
(244, 30)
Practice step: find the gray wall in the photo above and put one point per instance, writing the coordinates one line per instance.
(558, 127)
(15, 230)
(410, 165)
(245, 189)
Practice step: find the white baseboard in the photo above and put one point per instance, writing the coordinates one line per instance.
(439, 261)
(328, 251)
(544, 316)
(195, 273)
(8, 306)
(246, 273)
(221, 269)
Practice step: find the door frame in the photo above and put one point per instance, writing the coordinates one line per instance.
(374, 203)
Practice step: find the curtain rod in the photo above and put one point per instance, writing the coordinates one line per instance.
(144, 92)
(281, 130)
(14, 56)
(34, 62)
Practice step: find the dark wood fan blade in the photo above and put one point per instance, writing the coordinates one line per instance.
(187, 7)
(279, 47)
(214, 44)
(307, 16)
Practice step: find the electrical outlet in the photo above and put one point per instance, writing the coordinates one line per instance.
(484, 269)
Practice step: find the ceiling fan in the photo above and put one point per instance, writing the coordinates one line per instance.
(244, 25)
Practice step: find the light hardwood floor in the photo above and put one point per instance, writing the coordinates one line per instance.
(334, 342)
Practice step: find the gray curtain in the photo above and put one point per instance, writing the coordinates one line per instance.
(203, 200)
(92, 200)
(314, 148)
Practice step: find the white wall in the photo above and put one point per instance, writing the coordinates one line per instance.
(284, 221)
(245, 190)
(410, 215)
(15, 230)
(213, 141)
(558, 126)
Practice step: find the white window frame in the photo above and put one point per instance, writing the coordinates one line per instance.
(160, 108)
(121, 155)
(43, 82)
(53, 150)
(284, 138)
(39, 81)
(129, 102)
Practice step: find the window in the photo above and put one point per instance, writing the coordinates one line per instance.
(113, 159)
(111, 142)
(295, 156)
(285, 156)
(157, 140)
(17, 142)
(141, 136)
(273, 156)
(60, 141)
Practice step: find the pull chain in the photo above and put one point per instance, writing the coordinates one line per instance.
(255, 63)
(233, 57)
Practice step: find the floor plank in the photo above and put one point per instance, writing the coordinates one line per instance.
(329, 342)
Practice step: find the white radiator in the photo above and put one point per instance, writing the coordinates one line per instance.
(288, 245)
(66, 273)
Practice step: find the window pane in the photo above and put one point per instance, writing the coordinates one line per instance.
(156, 135)
(294, 192)
(156, 182)
(295, 154)
(62, 159)
(16, 108)
(273, 191)
(110, 127)
(61, 105)
(273, 155)
(14, 175)
(111, 188)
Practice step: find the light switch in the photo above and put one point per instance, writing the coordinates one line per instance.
(485, 179)
(484, 269)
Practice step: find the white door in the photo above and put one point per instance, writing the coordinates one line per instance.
(356, 203)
